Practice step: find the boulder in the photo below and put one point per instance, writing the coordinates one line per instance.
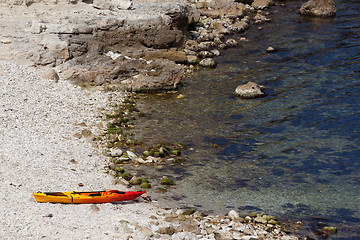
(261, 4)
(112, 4)
(208, 62)
(233, 215)
(49, 73)
(249, 90)
(318, 8)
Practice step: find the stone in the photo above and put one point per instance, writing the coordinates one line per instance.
(49, 73)
(189, 211)
(207, 45)
(259, 19)
(184, 236)
(318, 8)
(112, 4)
(260, 219)
(261, 4)
(131, 155)
(192, 59)
(249, 90)
(231, 42)
(169, 230)
(166, 181)
(115, 152)
(134, 181)
(215, 52)
(191, 45)
(205, 54)
(6, 41)
(208, 62)
(233, 215)
(270, 49)
(145, 185)
(329, 230)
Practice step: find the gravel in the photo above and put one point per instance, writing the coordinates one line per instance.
(38, 152)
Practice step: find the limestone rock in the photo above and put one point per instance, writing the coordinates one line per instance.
(112, 4)
(318, 8)
(134, 181)
(49, 73)
(208, 62)
(184, 236)
(192, 59)
(261, 4)
(233, 215)
(249, 90)
(170, 230)
(114, 152)
(270, 49)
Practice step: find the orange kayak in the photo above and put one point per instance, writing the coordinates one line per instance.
(87, 197)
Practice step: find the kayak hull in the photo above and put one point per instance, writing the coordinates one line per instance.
(87, 197)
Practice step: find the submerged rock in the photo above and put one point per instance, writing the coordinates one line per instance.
(249, 90)
(208, 62)
(318, 8)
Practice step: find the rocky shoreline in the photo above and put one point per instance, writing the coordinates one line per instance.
(132, 45)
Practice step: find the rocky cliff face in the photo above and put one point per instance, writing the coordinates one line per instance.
(132, 44)
(79, 37)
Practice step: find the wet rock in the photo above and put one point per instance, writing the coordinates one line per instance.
(208, 62)
(259, 19)
(192, 45)
(143, 233)
(207, 45)
(145, 185)
(240, 26)
(131, 155)
(205, 54)
(223, 235)
(189, 211)
(318, 8)
(245, 1)
(261, 4)
(166, 181)
(331, 230)
(260, 219)
(270, 49)
(249, 90)
(215, 52)
(192, 59)
(231, 42)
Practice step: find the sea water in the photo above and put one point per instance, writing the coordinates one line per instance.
(294, 153)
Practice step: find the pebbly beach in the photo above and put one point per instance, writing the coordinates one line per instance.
(63, 68)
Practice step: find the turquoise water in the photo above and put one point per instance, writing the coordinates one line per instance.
(294, 153)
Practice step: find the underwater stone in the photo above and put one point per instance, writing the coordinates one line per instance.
(166, 181)
(249, 90)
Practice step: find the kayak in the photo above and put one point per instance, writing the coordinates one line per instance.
(87, 197)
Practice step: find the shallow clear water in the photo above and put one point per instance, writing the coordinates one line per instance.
(294, 153)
